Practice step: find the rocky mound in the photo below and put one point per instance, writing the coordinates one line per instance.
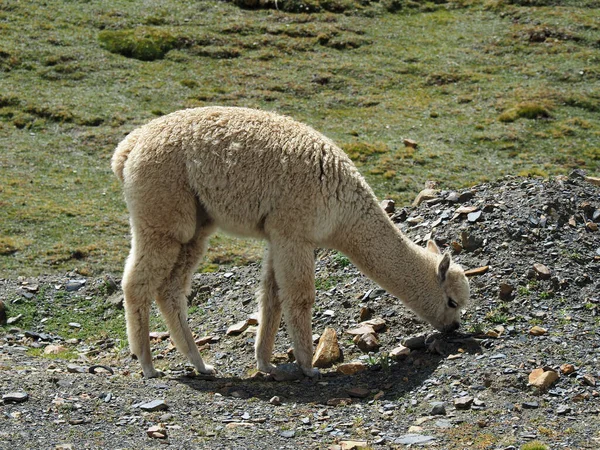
(524, 368)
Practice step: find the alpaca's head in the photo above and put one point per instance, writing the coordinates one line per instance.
(446, 291)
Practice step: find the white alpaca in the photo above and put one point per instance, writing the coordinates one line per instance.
(262, 175)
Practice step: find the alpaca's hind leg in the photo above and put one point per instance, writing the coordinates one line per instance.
(269, 316)
(148, 265)
(294, 272)
(172, 300)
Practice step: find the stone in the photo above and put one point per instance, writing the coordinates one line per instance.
(465, 196)
(424, 195)
(530, 405)
(476, 271)
(237, 328)
(157, 431)
(74, 285)
(474, 216)
(506, 292)
(74, 324)
(288, 434)
(537, 331)
(465, 210)
(470, 242)
(567, 369)
(351, 368)
(368, 342)
(353, 445)
(463, 402)
(388, 205)
(410, 143)
(378, 323)
(591, 226)
(73, 368)
(275, 401)
(452, 197)
(543, 272)
(563, 410)
(362, 329)
(365, 313)
(287, 372)
(205, 340)
(415, 342)
(328, 350)
(15, 397)
(588, 380)
(337, 401)
(593, 180)
(53, 349)
(15, 319)
(414, 439)
(542, 379)
(159, 335)
(399, 352)
(155, 405)
(438, 409)
(64, 447)
(358, 392)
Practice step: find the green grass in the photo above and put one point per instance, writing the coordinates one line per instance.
(76, 76)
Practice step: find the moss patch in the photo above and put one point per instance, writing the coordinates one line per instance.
(143, 43)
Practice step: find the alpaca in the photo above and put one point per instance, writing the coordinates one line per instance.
(261, 175)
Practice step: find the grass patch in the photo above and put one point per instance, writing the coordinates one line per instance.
(368, 74)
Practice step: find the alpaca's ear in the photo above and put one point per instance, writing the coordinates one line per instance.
(444, 266)
(432, 247)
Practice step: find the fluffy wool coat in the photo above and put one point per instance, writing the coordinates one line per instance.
(262, 175)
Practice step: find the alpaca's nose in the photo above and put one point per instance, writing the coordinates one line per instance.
(452, 327)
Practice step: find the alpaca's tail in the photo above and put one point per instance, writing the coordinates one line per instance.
(117, 163)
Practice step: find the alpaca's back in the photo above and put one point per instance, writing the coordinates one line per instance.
(247, 168)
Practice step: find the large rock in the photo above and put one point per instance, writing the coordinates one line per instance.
(328, 351)
(368, 342)
(351, 368)
(542, 379)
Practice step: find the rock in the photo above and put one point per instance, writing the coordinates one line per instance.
(15, 319)
(452, 197)
(537, 331)
(15, 397)
(328, 350)
(463, 402)
(593, 180)
(465, 196)
(506, 292)
(155, 405)
(353, 445)
(275, 401)
(54, 349)
(116, 300)
(542, 271)
(378, 323)
(237, 328)
(157, 431)
(591, 226)
(567, 369)
(424, 195)
(74, 325)
(474, 216)
(530, 405)
(288, 434)
(476, 271)
(368, 342)
(399, 352)
(73, 368)
(438, 409)
(588, 380)
(388, 205)
(365, 313)
(415, 342)
(414, 439)
(64, 447)
(563, 410)
(287, 372)
(362, 329)
(205, 340)
(358, 392)
(337, 401)
(159, 335)
(410, 143)
(465, 210)
(542, 379)
(470, 242)
(74, 285)
(351, 368)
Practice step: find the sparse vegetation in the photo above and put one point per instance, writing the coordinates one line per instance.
(77, 77)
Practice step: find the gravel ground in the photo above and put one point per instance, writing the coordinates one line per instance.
(535, 306)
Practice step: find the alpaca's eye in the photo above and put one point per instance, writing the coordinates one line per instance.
(452, 303)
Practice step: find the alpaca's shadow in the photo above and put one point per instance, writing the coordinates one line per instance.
(388, 380)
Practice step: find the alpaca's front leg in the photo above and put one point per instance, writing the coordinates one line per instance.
(294, 273)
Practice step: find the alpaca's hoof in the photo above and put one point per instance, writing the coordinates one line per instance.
(153, 373)
(266, 367)
(208, 370)
(311, 372)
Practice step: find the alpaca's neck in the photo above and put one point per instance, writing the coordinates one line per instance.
(380, 251)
